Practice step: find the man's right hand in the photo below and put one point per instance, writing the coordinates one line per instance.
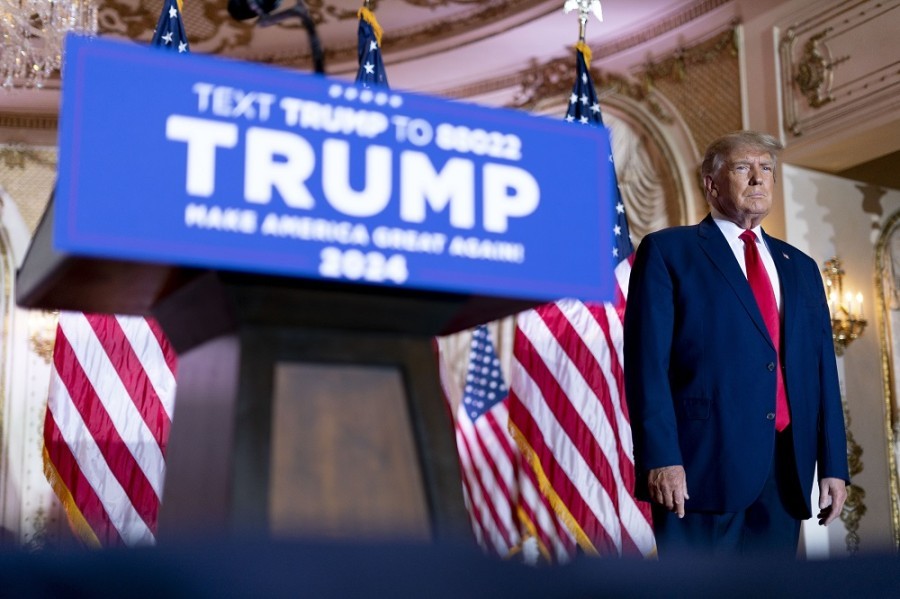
(668, 487)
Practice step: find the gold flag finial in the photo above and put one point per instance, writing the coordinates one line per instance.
(585, 8)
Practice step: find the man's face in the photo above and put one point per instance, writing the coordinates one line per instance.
(741, 191)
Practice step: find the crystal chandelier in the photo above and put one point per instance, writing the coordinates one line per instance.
(31, 37)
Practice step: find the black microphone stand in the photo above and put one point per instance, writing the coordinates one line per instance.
(300, 10)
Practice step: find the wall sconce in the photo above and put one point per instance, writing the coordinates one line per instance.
(847, 322)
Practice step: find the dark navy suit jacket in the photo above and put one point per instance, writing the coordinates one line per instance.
(700, 368)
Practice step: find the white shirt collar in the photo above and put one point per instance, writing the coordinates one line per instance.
(732, 232)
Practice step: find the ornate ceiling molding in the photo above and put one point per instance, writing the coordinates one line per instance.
(211, 29)
(674, 66)
(657, 29)
(547, 77)
(554, 78)
(399, 41)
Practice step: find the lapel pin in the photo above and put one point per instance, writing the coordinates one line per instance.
(786, 257)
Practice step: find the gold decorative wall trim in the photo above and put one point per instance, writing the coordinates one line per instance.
(43, 122)
(891, 417)
(7, 266)
(815, 71)
(816, 92)
(17, 157)
(42, 333)
(854, 507)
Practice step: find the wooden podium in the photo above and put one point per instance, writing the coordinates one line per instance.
(304, 408)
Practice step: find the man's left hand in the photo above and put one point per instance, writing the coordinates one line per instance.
(832, 495)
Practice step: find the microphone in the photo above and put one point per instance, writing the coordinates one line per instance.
(241, 10)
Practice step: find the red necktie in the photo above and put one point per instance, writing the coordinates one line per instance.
(765, 298)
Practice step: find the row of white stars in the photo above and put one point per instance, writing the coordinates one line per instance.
(182, 46)
(595, 107)
(366, 96)
(370, 67)
(617, 230)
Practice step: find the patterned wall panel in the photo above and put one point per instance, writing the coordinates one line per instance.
(28, 175)
(703, 83)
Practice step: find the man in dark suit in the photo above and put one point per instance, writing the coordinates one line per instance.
(730, 371)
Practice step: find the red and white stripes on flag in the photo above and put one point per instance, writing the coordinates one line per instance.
(488, 458)
(569, 417)
(541, 525)
(567, 393)
(504, 504)
(112, 395)
(487, 463)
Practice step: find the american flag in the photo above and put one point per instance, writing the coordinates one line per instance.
(169, 33)
(112, 393)
(487, 456)
(109, 411)
(503, 502)
(371, 68)
(567, 403)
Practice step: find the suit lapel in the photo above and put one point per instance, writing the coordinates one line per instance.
(719, 252)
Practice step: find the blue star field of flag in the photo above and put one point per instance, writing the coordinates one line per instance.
(584, 108)
(485, 387)
(371, 68)
(169, 33)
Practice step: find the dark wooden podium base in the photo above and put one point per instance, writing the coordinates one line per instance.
(287, 425)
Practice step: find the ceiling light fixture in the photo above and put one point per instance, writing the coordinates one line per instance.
(32, 34)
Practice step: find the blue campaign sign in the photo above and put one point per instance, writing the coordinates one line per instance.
(205, 162)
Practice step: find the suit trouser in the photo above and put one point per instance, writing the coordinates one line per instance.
(770, 525)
